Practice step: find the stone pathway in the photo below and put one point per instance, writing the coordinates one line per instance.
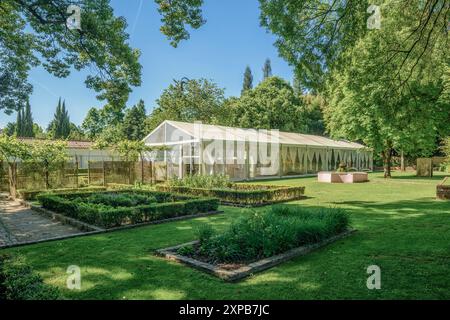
(19, 224)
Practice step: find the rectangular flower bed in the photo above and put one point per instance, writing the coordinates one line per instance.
(249, 195)
(261, 241)
(111, 209)
(30, 195)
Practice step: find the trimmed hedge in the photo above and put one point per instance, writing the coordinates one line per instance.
(243, 194)
(30, 195)
(19, 282)
(168, 206)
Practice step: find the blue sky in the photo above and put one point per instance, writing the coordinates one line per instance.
(231, 39)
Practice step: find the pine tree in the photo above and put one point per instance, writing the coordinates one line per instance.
(27, 122)
(267, 69)
(248, 80)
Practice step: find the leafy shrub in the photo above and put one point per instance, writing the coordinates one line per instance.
(19, 282)
(202, 181)
(262, 235)
(120, 199)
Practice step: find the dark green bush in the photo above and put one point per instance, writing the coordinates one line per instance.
(19, 282)
(262, 235)
(107, 209)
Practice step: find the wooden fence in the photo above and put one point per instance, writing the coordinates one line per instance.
(31, 175)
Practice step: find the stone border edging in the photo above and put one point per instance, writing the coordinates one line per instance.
(94, 229)
(250, 269)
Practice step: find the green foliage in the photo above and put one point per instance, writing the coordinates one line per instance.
(202, 181)
(262, 235)
(59, 127)
(177, 14)
(19, 282)
(13, 150)
(271, 105)
(248, 80)
(115, 208)
(30, 37)
(241, 194)
(192, 100)
(120, 199)
(133, 125)
(94, 123)
(446, 149)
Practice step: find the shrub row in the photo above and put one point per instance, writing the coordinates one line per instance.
(262, 235)
(19, 282)
(109, 217)
(243, 194)
(30, 195)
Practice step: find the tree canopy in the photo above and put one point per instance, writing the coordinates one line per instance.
(193, 100)
(35, 33)
(270, 105)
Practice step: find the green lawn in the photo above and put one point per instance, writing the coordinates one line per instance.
(402, 229)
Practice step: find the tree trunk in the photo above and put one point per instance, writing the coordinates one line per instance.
(12, 180)
(47, 183)
(402, 162)
(387, 157)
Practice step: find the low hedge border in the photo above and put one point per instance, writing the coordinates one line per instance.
(178, 207)
(30, 195)
(245, 195)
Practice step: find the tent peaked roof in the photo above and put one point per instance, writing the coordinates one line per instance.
(211, 132)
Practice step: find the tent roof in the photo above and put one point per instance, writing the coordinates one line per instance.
(211, 132)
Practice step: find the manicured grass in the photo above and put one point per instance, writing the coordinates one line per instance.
(402, 229)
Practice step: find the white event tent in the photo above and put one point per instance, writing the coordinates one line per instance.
(247, 154)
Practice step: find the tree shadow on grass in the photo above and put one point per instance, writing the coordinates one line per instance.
(398, 236)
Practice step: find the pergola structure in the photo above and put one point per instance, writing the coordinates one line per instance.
(248, 154)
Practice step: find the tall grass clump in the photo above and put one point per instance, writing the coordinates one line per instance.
(202, 181)
(262, 235)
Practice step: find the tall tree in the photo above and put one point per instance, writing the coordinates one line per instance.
(194, 100)
(94, 123)
(19, 123)
(267, 69)
(366, 104)
(59, 128)
(36, 33)
(133, 126)
(270, 105)
(248, 80)
(27, 122)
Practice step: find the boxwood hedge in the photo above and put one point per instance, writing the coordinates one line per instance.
(242, 194)
(167, 205)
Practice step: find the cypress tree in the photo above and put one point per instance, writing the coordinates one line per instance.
(27, 122)
(19, 123)
(248, 80)
(60, 126)
(267, 69)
